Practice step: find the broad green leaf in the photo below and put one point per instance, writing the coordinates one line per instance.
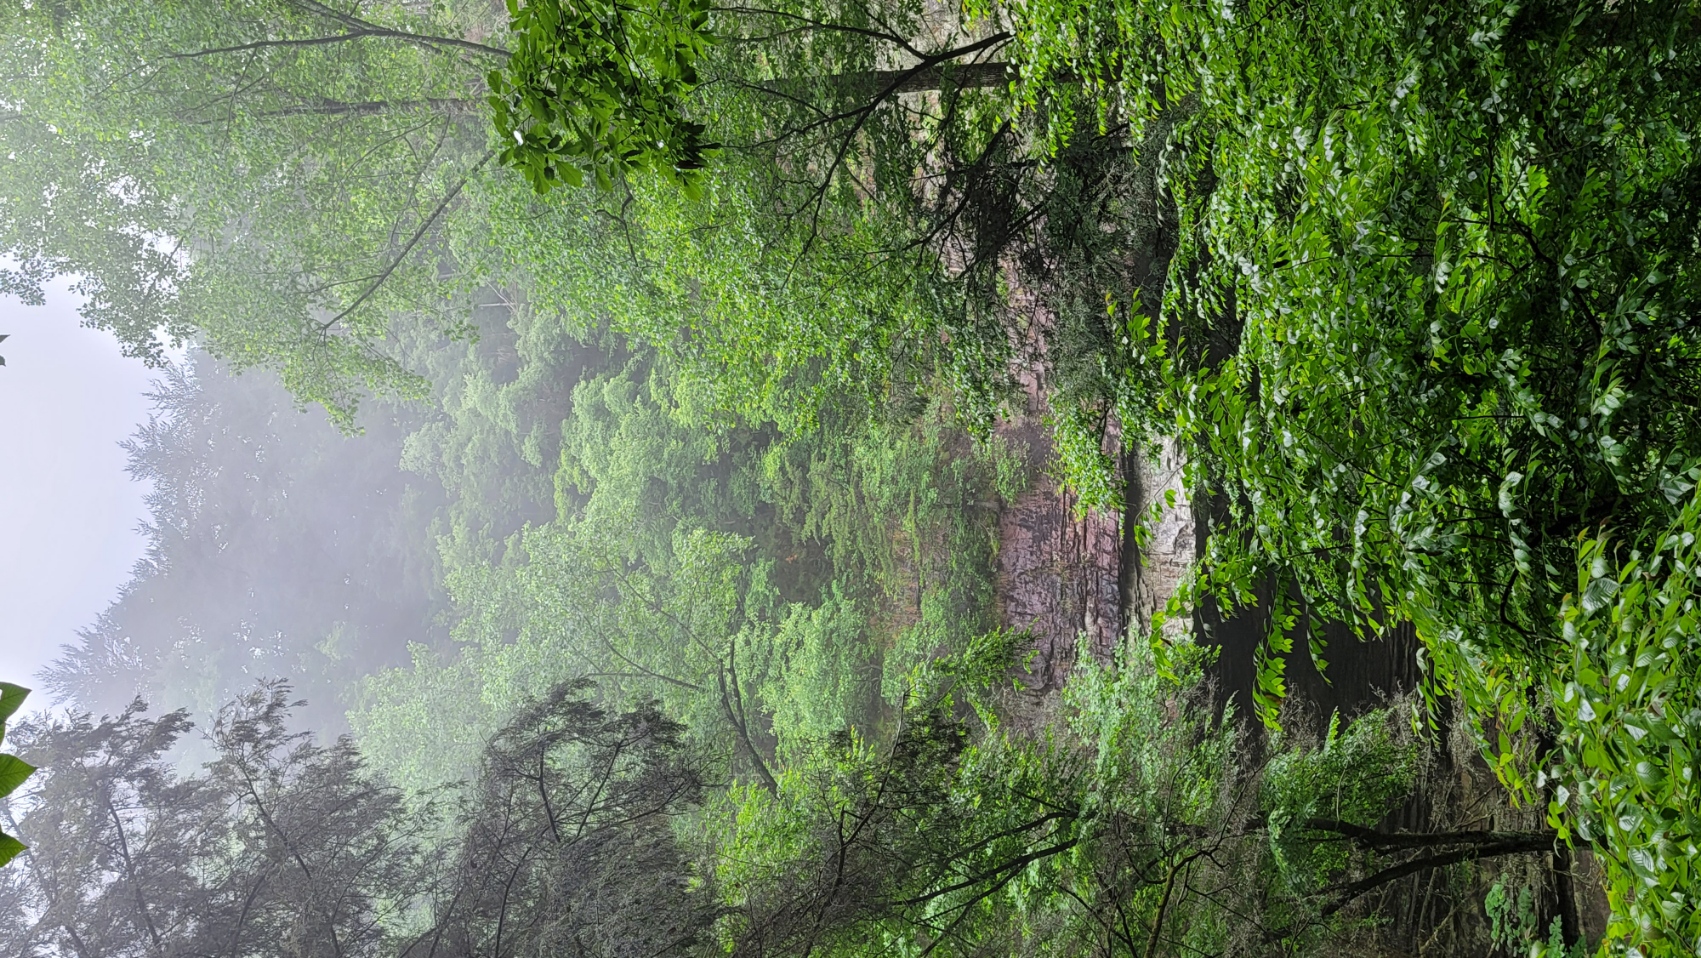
(13, 772)
(10, 848)
(11, 697)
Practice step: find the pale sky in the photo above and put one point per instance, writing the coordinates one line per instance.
(68, 510)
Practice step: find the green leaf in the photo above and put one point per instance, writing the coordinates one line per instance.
(1598, 594)
(11, 696)
(10, 848)
(13, 772)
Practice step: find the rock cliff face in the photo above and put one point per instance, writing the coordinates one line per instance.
(1151, 571)
(1073, 578)
(1057, 572)
(1077, 583)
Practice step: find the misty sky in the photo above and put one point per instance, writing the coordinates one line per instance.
(68, 510)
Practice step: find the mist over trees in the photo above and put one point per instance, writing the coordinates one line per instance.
(276, 546)
(628, 421)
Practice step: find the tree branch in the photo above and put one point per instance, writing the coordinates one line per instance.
(130, 870)
(1001, 869)
(373, 29)
(737, 719)
(1345, 894)
(267, 44)
(1370, 838)
(413, 241)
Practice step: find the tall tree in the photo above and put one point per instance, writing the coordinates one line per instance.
(281, 848)
(571, 843)
(269, 175)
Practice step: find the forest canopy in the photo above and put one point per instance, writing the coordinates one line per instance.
(683, 373)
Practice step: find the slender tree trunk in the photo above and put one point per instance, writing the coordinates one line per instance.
(945, 70)
(447, 106)
(1565, 890)
(1128, 573)
(960, 76)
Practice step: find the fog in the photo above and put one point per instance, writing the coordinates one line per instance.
(69, 512)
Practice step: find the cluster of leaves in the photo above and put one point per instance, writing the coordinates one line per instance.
(265, 176)
(859, 144)
(1623, 776)
(1514, 925)
(14, 771)
(762, 322)
(600, 87)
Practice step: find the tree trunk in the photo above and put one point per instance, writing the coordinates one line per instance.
(961, 76)
(1128, 576)
(1565, 891)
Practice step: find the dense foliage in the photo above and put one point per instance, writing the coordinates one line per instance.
(1407, 289)
(264, 175)
(1428, 330)
(600, 87)
(1144, 831)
